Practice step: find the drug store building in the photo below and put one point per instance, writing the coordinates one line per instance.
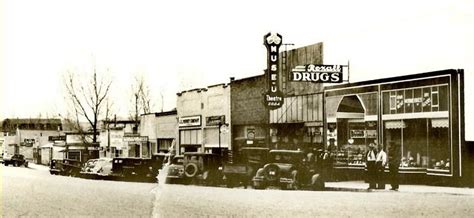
(422, 113)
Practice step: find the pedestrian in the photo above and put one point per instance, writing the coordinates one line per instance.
(381, 163)
(394, 164)
(370, 158)
(323, 163)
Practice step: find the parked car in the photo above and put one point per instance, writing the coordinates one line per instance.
(105, 170)
(71, 167)
(94, 168)
(202, 168)
(288, 169)
(175, 173)
(241, 172)
(15, 160)
(137, 169)
(56, 167)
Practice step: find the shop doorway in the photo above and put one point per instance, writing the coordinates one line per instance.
(350, 138)
(350, 121)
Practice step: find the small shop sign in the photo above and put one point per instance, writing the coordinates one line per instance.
(189, 121)
(135, 138)
(317, 73)
(215, 120)
(57, 138)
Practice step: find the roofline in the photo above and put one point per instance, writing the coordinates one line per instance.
(165, 113)
(247, 78)
(394, 79)
(224, 85)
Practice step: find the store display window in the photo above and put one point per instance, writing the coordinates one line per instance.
(439, 150)
(190, 137)
(424, 142)
(414, 144)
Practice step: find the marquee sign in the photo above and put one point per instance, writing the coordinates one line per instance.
(273, 97)
(317, 73)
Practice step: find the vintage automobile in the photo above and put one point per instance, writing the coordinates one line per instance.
(71, 167)
(176, 171)
(56, 167)
(93, 167)
(15, 160)
(244, 167)
(65, 167)
(137, 169)
(202, 168)
(288, 169)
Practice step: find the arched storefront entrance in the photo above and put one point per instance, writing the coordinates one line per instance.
(351, 127)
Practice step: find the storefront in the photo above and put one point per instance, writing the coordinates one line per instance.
(160, 128)
(422, 113)
(137, 146)
(249, 115)
(298, 124)
(203, 120)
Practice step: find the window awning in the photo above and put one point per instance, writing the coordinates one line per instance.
(440, 123)
(396, 124)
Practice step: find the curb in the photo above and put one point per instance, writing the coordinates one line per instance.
(346, 189)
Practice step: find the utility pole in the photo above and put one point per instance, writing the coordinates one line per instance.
(136, 113)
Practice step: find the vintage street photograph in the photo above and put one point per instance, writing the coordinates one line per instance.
(305, 108)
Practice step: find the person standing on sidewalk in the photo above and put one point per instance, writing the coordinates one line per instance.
(380, 163)
(370, 157)
(393, 164)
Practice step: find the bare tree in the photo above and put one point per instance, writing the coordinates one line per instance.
(89, 101)
(141, 98)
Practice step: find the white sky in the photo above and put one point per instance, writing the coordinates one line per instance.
(179, 45)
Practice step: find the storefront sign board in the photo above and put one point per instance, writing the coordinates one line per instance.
(189, 121)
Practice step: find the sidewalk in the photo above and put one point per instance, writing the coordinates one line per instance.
(361, 186)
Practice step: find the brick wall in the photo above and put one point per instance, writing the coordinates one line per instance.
(247, 101)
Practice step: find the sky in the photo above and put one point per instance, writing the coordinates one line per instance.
(180, 45)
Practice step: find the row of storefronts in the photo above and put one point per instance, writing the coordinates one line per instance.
(422, 114)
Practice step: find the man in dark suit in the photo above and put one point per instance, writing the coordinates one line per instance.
(393, 164)
(370, 157)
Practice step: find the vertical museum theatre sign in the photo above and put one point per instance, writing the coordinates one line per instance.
(273, 96)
